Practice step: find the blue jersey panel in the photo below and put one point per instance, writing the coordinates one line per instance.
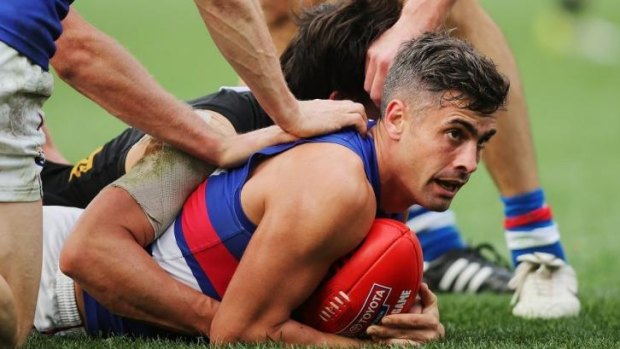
(31, 27)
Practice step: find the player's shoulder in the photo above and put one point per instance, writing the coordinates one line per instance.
(334, 169)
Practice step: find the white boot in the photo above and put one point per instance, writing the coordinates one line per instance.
(545, 287)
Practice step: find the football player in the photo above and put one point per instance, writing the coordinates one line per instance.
(310, 200)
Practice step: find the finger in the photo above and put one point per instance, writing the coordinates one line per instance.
(408, 320)
(429, 300)
(402, 342)
(416, 308)
(360, 124)
(385, 332)
(360, 119)
(371, 68)
(362, 111)
(418, 336)
(376, 91)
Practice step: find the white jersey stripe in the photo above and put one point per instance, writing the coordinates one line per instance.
(168, 255)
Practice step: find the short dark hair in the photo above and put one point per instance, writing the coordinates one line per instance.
(329, 51)
(450, 67)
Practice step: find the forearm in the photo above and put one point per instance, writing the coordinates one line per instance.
(101, 69)
(139, 289)
(106, 257)
(238, 29)
(292, 333)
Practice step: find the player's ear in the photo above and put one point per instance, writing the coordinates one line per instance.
(394, 118)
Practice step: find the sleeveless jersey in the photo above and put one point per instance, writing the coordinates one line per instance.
(202, 248)
(31, 27)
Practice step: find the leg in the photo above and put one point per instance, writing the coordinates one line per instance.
(23, 88)
(513, 140)
(510, 156)
(545, 286)
(20, 269)
(8, 316)
(279, 17)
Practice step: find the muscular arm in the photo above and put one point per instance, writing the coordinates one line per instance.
(311, 212)
(101, 69)
(106, 257)
(238, 29)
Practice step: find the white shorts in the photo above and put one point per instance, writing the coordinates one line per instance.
(56, 311)
(23, 89)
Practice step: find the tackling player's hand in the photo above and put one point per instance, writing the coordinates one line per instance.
(321, 116)
(419, 326)
(417, 18)
(238, 148)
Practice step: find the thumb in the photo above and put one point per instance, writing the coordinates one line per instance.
(428, 298)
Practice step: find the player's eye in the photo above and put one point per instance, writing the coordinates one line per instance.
(455, 134)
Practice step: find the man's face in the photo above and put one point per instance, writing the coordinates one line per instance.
(438, 149)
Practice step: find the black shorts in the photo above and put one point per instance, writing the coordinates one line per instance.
(76, 185)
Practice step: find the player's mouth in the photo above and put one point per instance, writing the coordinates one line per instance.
(450, 186)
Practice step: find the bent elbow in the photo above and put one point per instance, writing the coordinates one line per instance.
(220, 333)
(71, 58)
(74, 257)
(69, 260)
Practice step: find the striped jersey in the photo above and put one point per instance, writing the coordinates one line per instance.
(202, 248)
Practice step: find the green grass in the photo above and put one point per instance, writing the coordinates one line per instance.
(574, 108)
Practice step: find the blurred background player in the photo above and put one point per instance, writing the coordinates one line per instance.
(545, 286)
(565, 27)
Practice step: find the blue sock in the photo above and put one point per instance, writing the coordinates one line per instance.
(529, 225)
(436, 231)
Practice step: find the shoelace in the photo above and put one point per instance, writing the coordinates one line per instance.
(544, 270)
(518, 280)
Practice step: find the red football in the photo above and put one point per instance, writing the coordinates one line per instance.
(381, 276)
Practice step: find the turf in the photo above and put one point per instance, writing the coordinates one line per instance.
(574, 107)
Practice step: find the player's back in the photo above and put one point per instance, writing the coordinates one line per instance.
(203, 246)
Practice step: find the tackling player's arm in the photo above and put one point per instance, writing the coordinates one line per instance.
(314, 204)
(104, 71)
(238, 29)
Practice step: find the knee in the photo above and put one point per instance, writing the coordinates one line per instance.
(8, 317)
